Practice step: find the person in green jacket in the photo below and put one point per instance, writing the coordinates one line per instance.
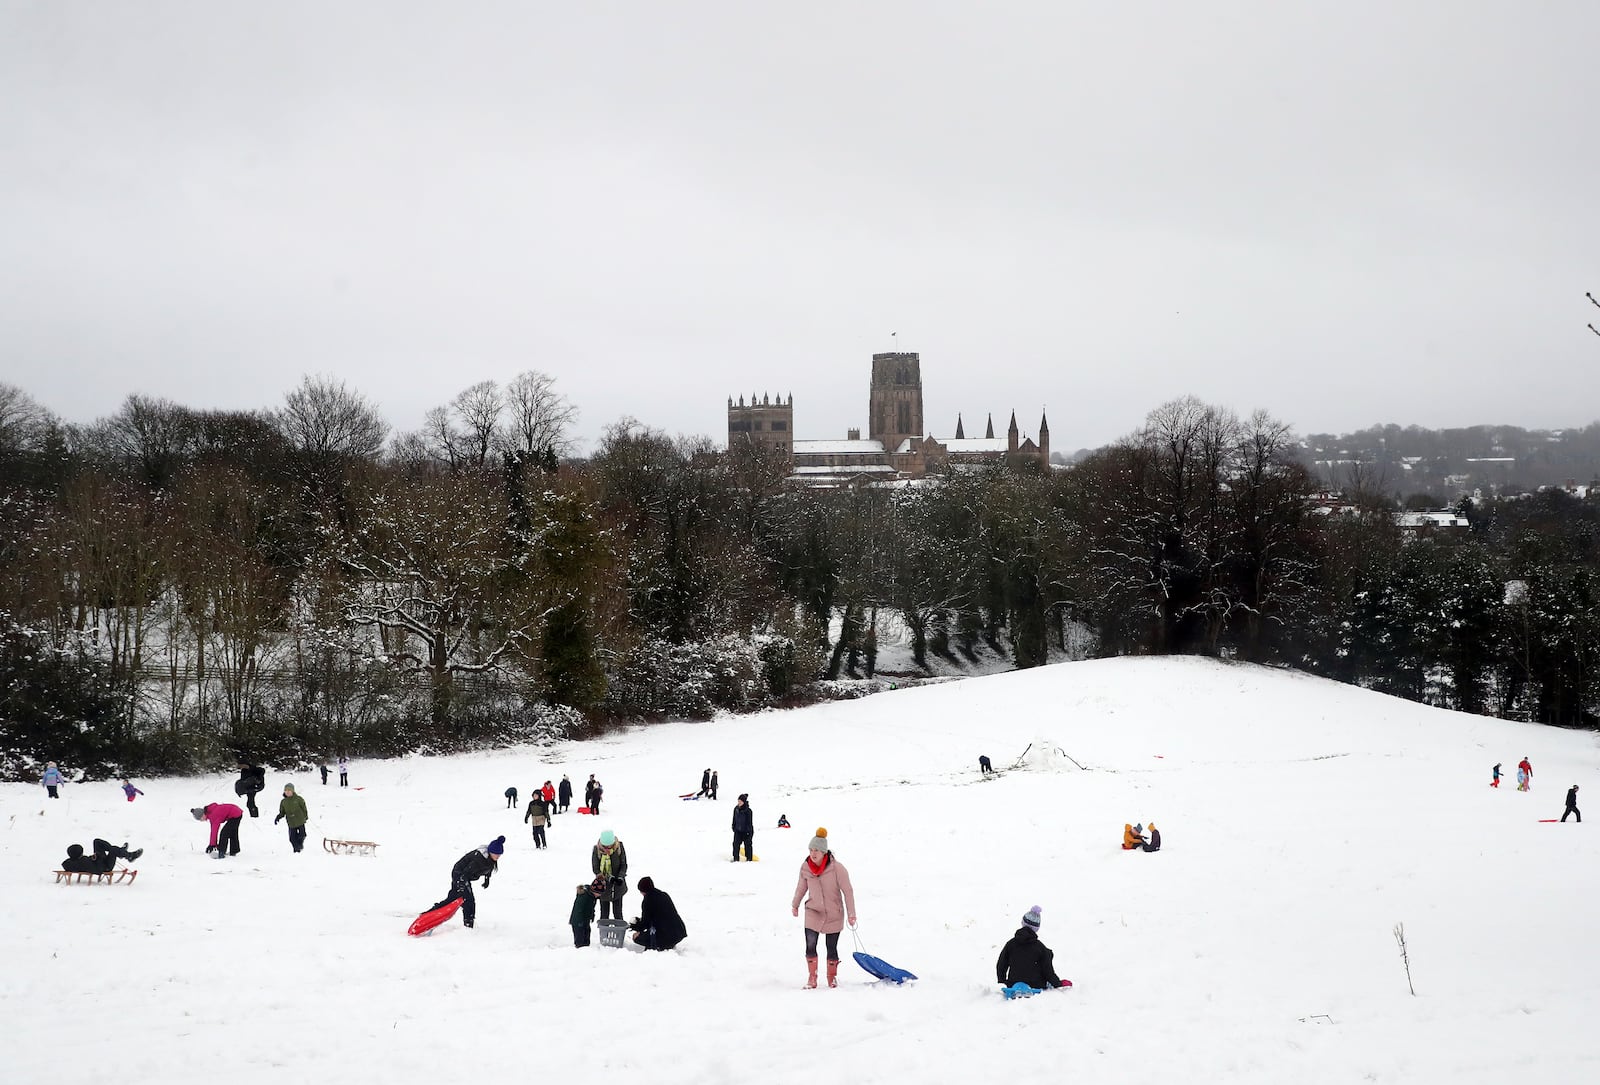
(292, 808)
(583, 912)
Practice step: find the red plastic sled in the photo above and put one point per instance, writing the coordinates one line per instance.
(432, 918)
(583, 809)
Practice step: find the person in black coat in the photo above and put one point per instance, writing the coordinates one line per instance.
(477, 863)
(252, 780)
(1025, 959)
(713, 783)
(563, 795)
(744, 829)
(1572, 804)
(103, 861)
(705, 784)
(659, 926)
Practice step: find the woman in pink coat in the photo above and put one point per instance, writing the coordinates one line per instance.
(224, 818)
(830, 903)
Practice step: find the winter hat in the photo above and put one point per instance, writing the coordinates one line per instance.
(1138, 828)
(497, 846)
(820, 841)
(75, 850)
(646, 884)
(288, 787)
(745, 797)
(199, 812)
(598, 886)
(1031, 920)
(607, 838)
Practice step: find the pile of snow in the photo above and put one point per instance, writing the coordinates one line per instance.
(1302, 820)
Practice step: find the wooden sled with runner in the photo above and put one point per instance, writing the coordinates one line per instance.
(349, 847)
(103, 877)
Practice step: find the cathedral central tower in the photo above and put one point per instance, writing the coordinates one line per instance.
(894, 409)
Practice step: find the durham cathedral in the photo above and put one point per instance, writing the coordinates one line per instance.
(897, 445)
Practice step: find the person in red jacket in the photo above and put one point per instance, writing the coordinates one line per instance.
(224, 818)
(1524, 775)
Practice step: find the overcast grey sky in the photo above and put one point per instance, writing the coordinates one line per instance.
(1346, 213)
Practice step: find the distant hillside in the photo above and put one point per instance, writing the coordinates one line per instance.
(1447, 463)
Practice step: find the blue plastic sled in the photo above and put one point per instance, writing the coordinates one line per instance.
(1020, 990)
(882, 969)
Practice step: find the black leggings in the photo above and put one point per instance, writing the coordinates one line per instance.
(228, 838)
(832, 943)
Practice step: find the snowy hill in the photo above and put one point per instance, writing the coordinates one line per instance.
(1301, 819)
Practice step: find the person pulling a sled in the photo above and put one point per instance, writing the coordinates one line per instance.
(830, 903)
(1572, 804)
(292, 808)
(1027, 960)
(477, 863)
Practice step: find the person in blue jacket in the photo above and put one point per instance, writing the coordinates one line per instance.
(51, 779)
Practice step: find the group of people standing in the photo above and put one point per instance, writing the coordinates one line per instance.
(1525, 783)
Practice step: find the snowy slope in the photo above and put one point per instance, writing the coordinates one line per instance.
(1302, 820)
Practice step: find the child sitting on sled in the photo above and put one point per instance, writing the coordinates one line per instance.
(1027, 960)
(1133, 837)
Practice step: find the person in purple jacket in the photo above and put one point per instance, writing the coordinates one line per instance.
(51, 779)
(224, 818)
(129, 790)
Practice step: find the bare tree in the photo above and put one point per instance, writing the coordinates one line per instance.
(21, 419)
(325, 419)
(539, 417)
(478, 409)
(155, 434)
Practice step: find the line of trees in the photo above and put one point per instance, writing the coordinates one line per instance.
(181, 586)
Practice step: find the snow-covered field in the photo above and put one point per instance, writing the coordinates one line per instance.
(1301, 820)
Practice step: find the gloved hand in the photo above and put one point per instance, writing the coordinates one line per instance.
(277, 819)
(486, 883)
(210, 849)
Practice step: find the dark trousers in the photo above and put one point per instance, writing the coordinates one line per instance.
(832, 944)
(344, 779)
(1571, 810)
(746, 839)
(106, 854)
(538, 837)
(297, 838)
(461, 887)
(51, 788)
(594, 805)
(228, 838)
(324, 770)
(983, 763)
(580, 934)
(611, 909)
(250, 804)
(511, 801)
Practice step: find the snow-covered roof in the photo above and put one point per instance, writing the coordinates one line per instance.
(1432, 519)
(847, 469)
(975, 444)
(838, 448)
